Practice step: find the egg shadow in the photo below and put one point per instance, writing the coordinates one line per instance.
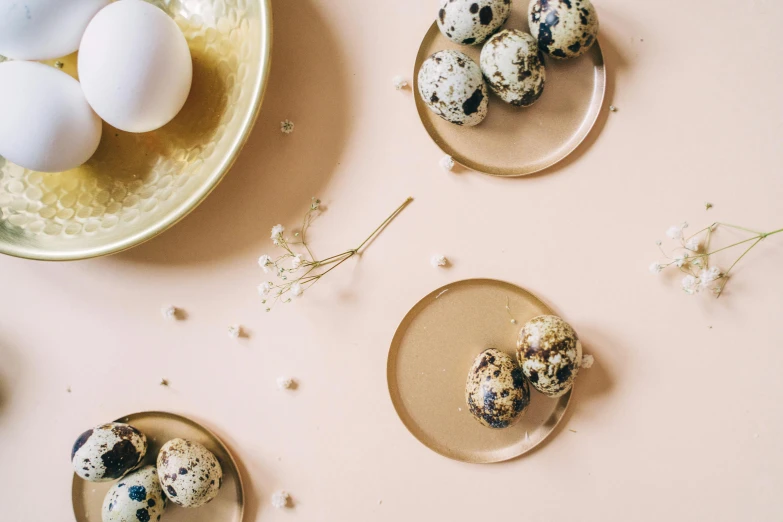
(9, 373)
(251, 498)
(275, 175)
(613, 63)
(591, 383)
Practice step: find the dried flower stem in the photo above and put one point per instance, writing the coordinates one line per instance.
(695, 265)
(312, 267)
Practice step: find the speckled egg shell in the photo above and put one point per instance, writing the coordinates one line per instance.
(108, 452)
(189, 473)
(549, 352)
(496, 391)
(471, 22)
(513, 67)
(451, 85)
(563, 28)
(136, 498)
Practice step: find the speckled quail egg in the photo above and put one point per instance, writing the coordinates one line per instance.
(451, 85)
(513, 67)
(549, 352)
(496, 391)
(189, 473)
(107, 452)
(136, 498)
(563, 28)
(470, 22)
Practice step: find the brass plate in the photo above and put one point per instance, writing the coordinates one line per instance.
(138, 185)
(515, 141)
(431, 354)
(160, 427)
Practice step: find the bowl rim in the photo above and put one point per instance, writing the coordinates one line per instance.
(179, 212)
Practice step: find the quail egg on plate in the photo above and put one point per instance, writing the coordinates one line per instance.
(549, 352)
(496, 391)
(107, 452)
(189, 473)
(564, 28)
(513, 67)
(136, 498)
(451, 85)
(470, 22)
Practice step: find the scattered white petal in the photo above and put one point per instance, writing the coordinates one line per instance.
(280, 499)
(656, 268)
(613, 108)
(675, 231)
(438, 261)
(399, 82)
(285, 383)
(235, 331)
(296, 289)
(446, 163)
(296, 261)
(170, 312)
(587, 361)
(264, 288)
(286, 127)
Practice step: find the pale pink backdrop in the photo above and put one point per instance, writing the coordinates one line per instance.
(679, 419)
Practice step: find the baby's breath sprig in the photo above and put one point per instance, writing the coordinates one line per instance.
(692, 256)
(303, 270)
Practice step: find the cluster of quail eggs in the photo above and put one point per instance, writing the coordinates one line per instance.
(548, 357)
(512, 62)
(185, 473)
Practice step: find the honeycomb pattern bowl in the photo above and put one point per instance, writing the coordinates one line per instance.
(138, 185)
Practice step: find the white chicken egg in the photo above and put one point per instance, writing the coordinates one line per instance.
(135, 66)
(44, 29)
(46, 123)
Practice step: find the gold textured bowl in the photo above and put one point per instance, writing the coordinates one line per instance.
(138, 185)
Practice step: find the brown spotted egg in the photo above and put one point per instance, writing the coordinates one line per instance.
(513, 67)
(471, 22)
(107, 452)
(563, 28)
(136, 498)
(189, 473)
(496, 391)
(549, 353)
(451, 85)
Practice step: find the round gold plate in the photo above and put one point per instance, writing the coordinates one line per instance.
(431, 354)
(515, 141)
(160, 427)
(137, 185)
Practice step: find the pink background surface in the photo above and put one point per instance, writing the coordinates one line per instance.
(676, 420)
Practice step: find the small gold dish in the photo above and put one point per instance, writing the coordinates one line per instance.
(431, 354)
(138, 185)
(517, 141)
(160, 427)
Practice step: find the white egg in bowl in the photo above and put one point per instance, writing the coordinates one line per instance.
(138, 184)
